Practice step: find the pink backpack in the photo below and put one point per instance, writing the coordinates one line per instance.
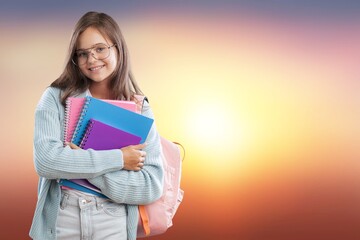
(156, 218)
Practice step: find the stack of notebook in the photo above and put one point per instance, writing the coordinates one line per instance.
(73, 111)
(97, 124)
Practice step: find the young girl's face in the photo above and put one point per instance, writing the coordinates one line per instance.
(89, 46)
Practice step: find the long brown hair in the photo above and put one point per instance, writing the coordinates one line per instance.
(122, 83)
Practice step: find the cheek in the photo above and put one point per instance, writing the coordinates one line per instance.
(112, 63)
(83, 69)
(114, 58)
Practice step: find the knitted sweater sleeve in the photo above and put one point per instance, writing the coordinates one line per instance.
(51, 159)
(137, 187)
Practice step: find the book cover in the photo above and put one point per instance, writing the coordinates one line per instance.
(100, 136)
(114, 116)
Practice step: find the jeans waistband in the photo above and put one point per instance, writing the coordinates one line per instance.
(77, 198)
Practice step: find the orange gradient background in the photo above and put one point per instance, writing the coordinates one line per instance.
(267, 107)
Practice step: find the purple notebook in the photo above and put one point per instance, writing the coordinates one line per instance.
(101, 136)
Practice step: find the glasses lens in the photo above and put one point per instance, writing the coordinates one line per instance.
(81, 57)
(99, 52)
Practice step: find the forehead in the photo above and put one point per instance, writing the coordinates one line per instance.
(90, 37)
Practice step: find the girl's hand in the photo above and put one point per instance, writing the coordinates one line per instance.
(133, 157)
(72, 145)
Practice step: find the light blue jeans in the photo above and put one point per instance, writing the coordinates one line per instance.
(83, 216)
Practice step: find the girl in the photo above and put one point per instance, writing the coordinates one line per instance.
(97, 65)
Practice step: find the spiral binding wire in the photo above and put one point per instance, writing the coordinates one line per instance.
(87, 133)
(80, 121)
(67, 119)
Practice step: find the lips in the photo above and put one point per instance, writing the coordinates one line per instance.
(96, 68)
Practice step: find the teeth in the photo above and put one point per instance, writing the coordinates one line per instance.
(95, 68)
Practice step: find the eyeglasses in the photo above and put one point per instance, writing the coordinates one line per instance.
(99, 51)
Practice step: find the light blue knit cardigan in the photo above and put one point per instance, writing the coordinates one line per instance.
(102, 168)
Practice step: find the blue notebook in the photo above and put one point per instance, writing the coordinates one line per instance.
(114, 116)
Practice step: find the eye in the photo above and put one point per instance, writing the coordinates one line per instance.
(100, 49)
(82, 54)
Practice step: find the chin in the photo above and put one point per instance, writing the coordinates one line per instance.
(99, 80)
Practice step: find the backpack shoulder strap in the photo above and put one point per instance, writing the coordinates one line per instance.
(183, 149)
(139, 100)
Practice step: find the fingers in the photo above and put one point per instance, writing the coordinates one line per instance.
(141, 159)
(142, 154)
(140, 164)
(134, 157)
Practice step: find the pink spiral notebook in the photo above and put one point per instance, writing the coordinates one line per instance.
(73, 111)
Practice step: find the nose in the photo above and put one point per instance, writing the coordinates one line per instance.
(91, 57)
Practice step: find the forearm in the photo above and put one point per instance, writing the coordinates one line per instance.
(136, 187)
(53, 160)
(130, 187)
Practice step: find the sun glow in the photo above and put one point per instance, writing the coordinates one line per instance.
(213, 125)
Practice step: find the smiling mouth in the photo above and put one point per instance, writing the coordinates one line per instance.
(96, 68)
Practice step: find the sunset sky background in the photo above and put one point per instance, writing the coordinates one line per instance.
(264, 95)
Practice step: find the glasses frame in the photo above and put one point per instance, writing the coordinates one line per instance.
(89, 50)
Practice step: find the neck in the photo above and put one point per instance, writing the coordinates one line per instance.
(99, 90)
